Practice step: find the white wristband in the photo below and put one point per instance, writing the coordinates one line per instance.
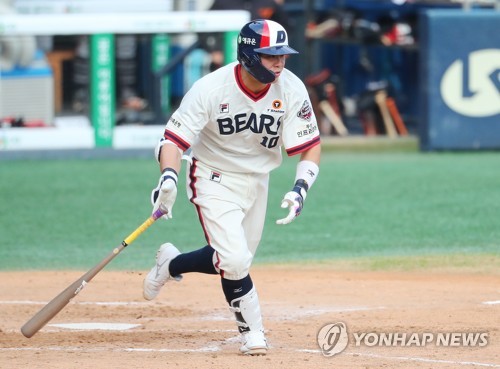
(308, 171)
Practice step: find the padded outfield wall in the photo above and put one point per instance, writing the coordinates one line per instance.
(460, 79)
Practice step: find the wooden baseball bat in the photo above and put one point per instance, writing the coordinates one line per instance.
(54, 306)
(334, 119)
(380, 99)
(396, 117)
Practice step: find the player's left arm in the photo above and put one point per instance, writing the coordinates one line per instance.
(306, 173)
(313, 154)
(300, 136)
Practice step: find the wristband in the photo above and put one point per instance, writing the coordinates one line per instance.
(307, 171)
(169, 173)
(301, 188)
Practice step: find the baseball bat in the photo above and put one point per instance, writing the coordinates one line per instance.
(398, 121)
(334, 119)
(380, 99)
(331, 97)
(54, 306)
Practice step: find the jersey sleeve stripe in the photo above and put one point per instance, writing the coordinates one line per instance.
(298, 149)
(177, 140)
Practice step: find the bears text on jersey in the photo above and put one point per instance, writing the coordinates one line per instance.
(244, 121)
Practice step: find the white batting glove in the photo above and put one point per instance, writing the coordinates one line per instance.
(294, 201)
(166, 192)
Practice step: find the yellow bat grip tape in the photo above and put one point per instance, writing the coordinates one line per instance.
(138, 231)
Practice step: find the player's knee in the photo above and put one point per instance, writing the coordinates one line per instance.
(236, 266)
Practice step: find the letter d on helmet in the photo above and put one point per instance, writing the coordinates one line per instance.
(262, 37)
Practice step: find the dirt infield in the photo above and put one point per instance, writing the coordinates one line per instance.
(189, 325)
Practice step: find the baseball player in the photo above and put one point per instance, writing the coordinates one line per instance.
(236, 120)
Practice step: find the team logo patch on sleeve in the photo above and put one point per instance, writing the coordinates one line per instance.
(224, 108)
(305, 111)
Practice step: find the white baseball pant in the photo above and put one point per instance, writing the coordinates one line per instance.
(231, 208)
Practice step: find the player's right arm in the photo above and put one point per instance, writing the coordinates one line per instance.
(180, 131)
(169, 157)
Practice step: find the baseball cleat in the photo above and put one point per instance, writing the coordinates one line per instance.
(160, 274)
(254, 343)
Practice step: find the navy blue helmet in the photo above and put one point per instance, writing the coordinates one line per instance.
(261, 36)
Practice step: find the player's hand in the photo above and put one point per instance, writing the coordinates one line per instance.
(165, 193)
(294, 202)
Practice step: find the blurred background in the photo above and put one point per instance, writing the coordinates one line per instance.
(424, 70)
(93, 82)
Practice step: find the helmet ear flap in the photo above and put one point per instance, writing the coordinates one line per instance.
(253, 65)
(250, 59)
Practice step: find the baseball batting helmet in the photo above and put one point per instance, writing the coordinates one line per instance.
(261, 36)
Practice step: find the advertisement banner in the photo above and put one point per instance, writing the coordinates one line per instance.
(460, 79)
(102, 87)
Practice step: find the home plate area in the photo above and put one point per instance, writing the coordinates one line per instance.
(109, 325)
(95, 326)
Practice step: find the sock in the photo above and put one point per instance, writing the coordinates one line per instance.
(195, 261)
(235, 289)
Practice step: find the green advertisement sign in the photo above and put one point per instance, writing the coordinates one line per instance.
(160, 57)
(102, 88)
(230, 46)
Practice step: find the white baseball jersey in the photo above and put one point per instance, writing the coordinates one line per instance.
(232, 129)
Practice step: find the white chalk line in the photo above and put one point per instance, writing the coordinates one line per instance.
(101, 303)
(56, 328)
(410, 358)
(288, 314)
(216, 348)
(274, 312)
(210, 348)
(137, 303)
(96, 326)
(218, 316)
(302, 312)
(426, 360)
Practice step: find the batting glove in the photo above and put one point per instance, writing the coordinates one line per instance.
(294, 201)
(166, 192)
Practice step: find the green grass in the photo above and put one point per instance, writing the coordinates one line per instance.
(379, 209)
(435, 263)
